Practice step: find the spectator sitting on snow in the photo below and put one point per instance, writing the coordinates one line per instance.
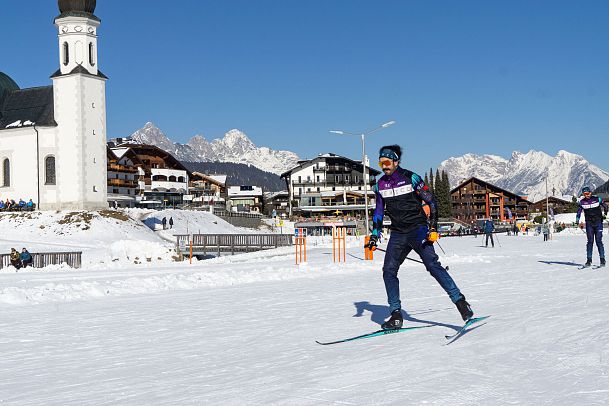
(7, 204)
(2, 206)
(26, 258)
(15, 258)
(21, 203)
(30, 204)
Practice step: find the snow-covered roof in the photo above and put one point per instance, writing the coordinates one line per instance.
(219, 178)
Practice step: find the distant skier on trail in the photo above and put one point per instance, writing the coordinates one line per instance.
(593, 208)
(489, 227)
(402, 192)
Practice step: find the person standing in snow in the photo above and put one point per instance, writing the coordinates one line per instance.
(401, 193)
(15, 258)
(546, 231)
(164, 222)
(593, 208)
(489, 227)
(170, 222)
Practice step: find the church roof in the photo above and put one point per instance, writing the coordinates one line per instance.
(28, 107)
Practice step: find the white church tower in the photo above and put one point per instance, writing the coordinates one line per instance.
(79, 93)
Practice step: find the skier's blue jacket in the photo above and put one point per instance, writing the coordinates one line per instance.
(402, 195)
(489, 227)
(593, 208)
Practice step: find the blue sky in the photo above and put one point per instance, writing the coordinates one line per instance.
(457, 76)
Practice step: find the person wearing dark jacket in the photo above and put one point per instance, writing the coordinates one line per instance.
(164, 222)
(26, 258)
(489, 227)
(401, 194)
(15, 258)
(593, 208)
(170, 222)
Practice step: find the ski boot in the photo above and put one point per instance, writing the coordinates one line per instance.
(395, 321)
(588, 263)
(603, 263)
(464, 308)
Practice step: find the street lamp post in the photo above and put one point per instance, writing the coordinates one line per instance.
(365, 168)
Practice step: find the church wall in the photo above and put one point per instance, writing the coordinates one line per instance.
(19, 146)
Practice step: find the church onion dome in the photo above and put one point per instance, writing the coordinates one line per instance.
(7, 84)
(77, 8)
(86, 6)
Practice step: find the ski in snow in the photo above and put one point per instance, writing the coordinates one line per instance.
(462, 330)
(374, 334)
(598, 266)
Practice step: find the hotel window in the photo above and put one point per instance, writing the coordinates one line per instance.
(6, 172)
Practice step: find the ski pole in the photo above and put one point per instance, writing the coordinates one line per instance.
(410, 259)
(438, 242)
(497, 236)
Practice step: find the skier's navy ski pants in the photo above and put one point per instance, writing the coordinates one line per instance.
(399, 246)
(595, 231)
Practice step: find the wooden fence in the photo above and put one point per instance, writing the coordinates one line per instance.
(42, 259)
(204, 244)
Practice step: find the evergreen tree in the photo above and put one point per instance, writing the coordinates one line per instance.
(431, 183)
(426, 180)
(574, 206)
(446, 183)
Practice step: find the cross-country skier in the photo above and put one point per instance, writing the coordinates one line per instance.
(593, 207)
(401, 192)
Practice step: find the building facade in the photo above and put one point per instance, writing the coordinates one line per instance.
(245, 199)
(163, 180)
(476, 199)
(556, 205)
(208, 192)
(53, 138)
(329, 184)
(125, 176)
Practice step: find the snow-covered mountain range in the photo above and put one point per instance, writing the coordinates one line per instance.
(526, 174)
(234, 147)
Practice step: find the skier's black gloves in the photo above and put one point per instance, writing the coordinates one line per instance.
(373, 242)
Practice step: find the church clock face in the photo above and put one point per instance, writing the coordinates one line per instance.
(78, 28)
(64, 29)
(91, 30)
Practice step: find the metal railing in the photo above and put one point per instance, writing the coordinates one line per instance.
(230, 243)
(42, 259)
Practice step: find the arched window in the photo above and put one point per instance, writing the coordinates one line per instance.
(66, 54)
(6, 172)
(91, 52)
(172, 178)
(49, 171)
(181, 179)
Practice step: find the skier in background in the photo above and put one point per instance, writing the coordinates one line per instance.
(489, 227)
(593, 208)
(401, 192)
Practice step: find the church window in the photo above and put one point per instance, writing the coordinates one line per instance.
(6, 172)
(91, 52)
(49, 171)
(66, 54)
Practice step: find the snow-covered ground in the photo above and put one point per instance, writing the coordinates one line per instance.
(109, 238)
(241, 330)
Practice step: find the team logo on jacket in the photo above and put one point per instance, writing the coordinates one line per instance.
(397, 191)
